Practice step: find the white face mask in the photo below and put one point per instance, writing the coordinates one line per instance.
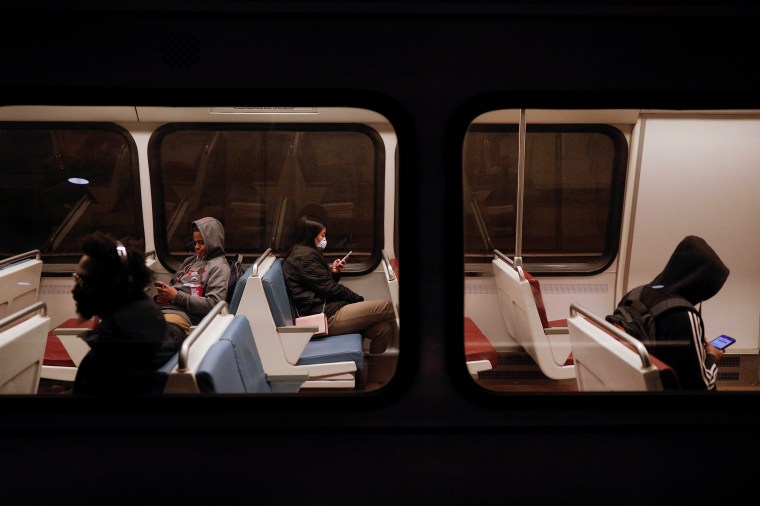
(322, 244)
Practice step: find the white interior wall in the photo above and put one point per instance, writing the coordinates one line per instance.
(700, 176)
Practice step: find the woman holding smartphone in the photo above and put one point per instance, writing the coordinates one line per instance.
(313, 287)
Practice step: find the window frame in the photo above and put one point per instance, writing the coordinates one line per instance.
(616, 208)
(172, 263)
(52, 265)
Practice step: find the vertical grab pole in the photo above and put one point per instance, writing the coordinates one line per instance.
(520, 189)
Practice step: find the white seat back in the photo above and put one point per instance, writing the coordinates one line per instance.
(22, 349)
(603, 362)
(19, 282)
(520, 313)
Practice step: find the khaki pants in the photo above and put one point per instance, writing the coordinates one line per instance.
(178, 320)
(375, 320)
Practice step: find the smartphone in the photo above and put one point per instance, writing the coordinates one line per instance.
(723, 342)
(346, 257)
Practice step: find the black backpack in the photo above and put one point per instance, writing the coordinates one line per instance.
(638, 320)
(236, 270)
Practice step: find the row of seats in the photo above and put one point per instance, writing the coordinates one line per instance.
(220, 356)
(252, 347)
(24, 324)
(598, 355)
(289, 350)
(292, 354)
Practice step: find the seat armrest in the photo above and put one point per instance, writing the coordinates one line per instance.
(286, 383)
(294, 340)
(476, 366)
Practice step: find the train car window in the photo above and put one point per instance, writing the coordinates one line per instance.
(61, 181)
(573, 195)
(258, 179)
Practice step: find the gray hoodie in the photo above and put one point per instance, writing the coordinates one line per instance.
(212, 271)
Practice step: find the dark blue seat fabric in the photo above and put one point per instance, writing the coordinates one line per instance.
(340, 348)
(239, 288)
(233, 364)
(218, 371)
(277, 294)
(320, 350)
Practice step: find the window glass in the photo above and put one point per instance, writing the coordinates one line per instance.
(574, 179)
(258, 179)
(63, 181)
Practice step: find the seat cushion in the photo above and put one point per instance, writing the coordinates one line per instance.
(340, 348)
(55, 353)
(476, 344)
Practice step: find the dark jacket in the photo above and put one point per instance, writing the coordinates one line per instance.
(696, 273)
(311, 283)
(126, 348)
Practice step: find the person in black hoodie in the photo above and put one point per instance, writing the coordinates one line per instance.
(313, 287)
(132, 339)
(696, 273)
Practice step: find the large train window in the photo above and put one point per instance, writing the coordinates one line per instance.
(258, 179)
(61, 181)
(542, 214)
(572, 201)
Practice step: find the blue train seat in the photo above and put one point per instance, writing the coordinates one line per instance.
(286, 349)
(232, 364)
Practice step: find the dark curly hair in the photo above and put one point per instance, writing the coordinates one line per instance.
(101, 248)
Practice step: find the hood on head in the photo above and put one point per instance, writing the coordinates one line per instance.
(212, 232)
(694, 271)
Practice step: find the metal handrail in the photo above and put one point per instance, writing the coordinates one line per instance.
(220, 308)
(255, 266)
(37, 306)
(520, 186)
(391, 273)
(480, 222)
(516, 264)
(640, 348)
(34, 253)
(504, 257)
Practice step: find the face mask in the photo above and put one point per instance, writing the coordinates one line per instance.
(323, 243)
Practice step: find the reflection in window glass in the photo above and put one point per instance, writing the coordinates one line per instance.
(257, 180)
(573, 189)
(61, 182)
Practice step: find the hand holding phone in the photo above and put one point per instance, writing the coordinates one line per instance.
(722, 342)
(343, 260)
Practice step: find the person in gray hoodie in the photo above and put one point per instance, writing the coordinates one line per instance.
(201, 282)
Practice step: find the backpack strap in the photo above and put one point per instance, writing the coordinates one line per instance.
(671, 303)
(675, 302)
